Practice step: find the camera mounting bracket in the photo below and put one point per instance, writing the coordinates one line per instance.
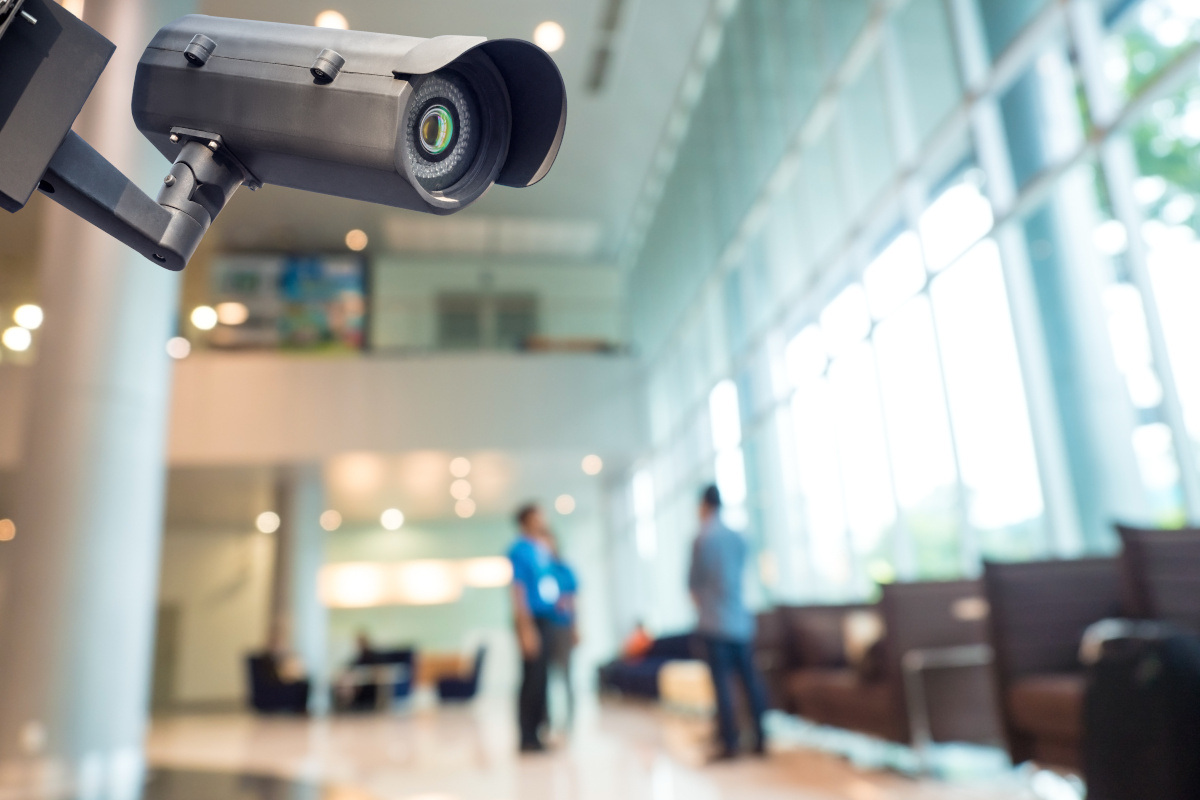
(167, 231)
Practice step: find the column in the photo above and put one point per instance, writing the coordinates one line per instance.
(80, 580)
(299, 622)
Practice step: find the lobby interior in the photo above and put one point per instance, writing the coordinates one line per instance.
(911, 281)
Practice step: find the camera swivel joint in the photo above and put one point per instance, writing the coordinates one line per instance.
(200, 183)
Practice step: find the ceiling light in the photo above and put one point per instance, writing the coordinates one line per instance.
(460, 467)
(178, 347)
(357, 240)
(332, 19)
(28, 316)
(8, 530)
(267, 522)
(204, 317)
(592, 465)
(232, 313)
(17, 339)
(564, 504)
(331, 520)
(392, 519)
(465, 508)
(460, 489)
(549, 36)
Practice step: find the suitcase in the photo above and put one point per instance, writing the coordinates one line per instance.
(1142, 715)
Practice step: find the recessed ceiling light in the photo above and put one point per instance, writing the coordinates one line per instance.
(564, 504)
(178, 347)
(465, 508)
(332, 19)
(549, 36)
(460, 489)
(460, 467)
(28, 316)
(331, 520)
(267, 522)
(392, 519)
(592, 465)
(8, 530)
(17, 339)
(204, 317)
(232, 313)
(357, 240)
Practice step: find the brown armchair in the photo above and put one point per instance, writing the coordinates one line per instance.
(1160, 574)
(958, 702)
(1039, 612)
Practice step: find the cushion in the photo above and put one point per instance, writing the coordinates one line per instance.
(686, 684)
(1049, 706)
(836, 697)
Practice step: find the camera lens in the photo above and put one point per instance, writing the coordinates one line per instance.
(437, 130)
(444, 130)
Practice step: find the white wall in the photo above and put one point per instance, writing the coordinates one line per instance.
(574, 301)
(220, 579)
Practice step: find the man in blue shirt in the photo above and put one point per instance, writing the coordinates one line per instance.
(725, 624)
(535, 596)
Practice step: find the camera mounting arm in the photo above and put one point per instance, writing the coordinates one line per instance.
(167, 232)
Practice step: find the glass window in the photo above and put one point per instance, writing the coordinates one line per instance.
(918, 428)
(866, 133)
(1004, 19)
(930, 68)
(1043, 120)
(1145, 37)
(822, 196)
(1166, 144)
(842, 20)
(866, 476)
(805, 355)
(958, 218)
(643, 512)
(846, 319)
(895, 275)
(987, 406)
(820, 486)
(725, 416)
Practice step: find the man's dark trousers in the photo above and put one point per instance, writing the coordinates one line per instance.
(725, 659)
(532, 712)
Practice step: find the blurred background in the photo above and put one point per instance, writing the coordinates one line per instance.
(913, 281)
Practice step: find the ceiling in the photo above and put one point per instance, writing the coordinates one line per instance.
(611, 139)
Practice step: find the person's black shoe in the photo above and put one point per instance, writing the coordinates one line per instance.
(533, 747)
(760, 750)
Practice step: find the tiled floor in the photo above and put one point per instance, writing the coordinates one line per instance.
(617, 752)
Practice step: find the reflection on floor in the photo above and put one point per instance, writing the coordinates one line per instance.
(616, 752)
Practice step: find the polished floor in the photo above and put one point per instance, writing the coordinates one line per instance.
(615, 752)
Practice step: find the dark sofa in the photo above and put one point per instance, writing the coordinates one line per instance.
(958, 703)
(639, 677)
(1039, 612)
(1160, 574)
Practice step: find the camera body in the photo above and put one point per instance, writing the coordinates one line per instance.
(423, 124)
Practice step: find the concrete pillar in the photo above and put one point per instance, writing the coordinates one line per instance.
(299, 622)
(80, 580)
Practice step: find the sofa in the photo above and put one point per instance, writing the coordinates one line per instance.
(957, 704)
(271, 694)
(639, 677)
(1160, 574)
(1039, 613)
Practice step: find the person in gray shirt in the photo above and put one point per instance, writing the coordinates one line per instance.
(725, 624)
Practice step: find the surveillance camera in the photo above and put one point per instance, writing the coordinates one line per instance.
(422, 124)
